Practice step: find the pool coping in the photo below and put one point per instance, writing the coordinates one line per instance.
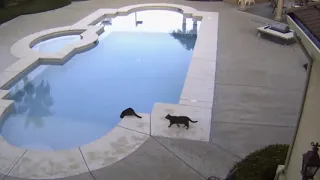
(196, 97)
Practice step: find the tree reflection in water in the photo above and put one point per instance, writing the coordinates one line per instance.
(187, 39)
(33, 100)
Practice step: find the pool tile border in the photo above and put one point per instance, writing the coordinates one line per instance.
(9, 156)
(196, 98)
(202, 69)
(139, 125)
(4, 94)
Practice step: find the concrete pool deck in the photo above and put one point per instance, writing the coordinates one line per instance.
(258, 89)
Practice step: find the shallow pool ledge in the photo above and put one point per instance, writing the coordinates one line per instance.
(23, 47)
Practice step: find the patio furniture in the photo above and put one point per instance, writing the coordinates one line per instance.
(278, 37)
(247, 2)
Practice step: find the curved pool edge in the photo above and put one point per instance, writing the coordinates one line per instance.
(108, 149)
(18, 160)
(23, 47)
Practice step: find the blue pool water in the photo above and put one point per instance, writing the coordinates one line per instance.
(61, 107)
(56, 44)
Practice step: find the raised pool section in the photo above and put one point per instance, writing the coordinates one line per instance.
(66, 115)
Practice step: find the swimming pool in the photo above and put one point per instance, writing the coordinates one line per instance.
(133, 65)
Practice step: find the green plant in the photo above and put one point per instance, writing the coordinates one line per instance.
(261, 164)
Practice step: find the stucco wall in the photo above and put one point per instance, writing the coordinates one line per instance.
(309, 128)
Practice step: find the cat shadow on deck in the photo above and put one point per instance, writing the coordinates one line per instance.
(179, 120)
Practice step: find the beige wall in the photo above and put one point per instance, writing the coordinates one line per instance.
(309, 128)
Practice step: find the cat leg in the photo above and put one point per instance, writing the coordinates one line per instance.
(178, 125)
(186, 125)
(170, 125)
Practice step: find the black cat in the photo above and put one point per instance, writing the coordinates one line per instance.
(129, 112)
(179, 120)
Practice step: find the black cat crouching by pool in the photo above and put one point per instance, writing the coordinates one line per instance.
(129, 112)
(179, 120)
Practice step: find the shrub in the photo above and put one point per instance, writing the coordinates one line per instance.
(30, 7)
(261, 164)
(2, 4)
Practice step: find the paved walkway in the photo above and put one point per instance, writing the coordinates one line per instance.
(258, 91)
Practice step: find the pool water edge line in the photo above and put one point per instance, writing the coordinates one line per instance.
(29, 59)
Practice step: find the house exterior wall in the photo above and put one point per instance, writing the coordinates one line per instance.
(309, 127)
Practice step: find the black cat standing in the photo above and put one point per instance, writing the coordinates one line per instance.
(129, 112)
(179, 120)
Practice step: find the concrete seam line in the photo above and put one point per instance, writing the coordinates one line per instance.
(86, 164)
(15, 164)
(179, 158)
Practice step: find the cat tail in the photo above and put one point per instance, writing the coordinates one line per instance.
(137, 115)
(192, 121)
